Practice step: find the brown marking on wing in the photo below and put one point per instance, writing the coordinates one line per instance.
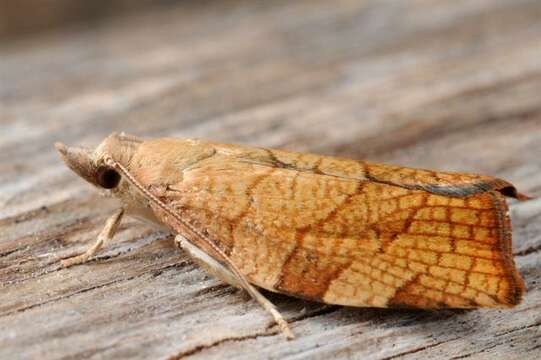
(306, 274)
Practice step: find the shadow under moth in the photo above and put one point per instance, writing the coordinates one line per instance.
(332, 230)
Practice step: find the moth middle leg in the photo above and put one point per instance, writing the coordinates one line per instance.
(215, 268)
(108, 232)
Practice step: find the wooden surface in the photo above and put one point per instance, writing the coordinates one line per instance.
(453, 85)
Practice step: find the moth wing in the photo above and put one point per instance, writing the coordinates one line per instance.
(351, 242)
(350, 232)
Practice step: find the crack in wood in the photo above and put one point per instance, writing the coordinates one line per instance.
(222, 288)
(416, 350)
(9, 252)
(470, 354)
(59, 298)
(206, 346)
(323, 310)
(528, 251)
(465, 356)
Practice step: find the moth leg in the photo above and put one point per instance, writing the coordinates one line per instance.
(109, 230)
(215, 268)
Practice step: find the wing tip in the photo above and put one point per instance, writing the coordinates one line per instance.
(505, 188)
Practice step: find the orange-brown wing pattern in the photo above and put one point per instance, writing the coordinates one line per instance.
(345, 232)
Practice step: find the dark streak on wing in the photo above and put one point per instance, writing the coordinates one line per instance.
(502, 186)
(459, 190)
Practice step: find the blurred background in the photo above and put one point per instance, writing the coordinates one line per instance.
(449, 85)
(437, 84)
(28, 17)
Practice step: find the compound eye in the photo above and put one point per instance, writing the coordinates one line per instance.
(108, 178)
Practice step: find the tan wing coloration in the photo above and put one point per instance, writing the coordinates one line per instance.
(343, 231)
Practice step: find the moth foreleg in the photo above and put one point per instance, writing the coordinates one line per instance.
(109, 230)
(221, 272)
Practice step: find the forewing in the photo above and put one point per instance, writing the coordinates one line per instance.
(351, 241)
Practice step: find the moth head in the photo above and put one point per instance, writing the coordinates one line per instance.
(90, 164)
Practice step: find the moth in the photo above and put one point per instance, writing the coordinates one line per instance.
(322, 228)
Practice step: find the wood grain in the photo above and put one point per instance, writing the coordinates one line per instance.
(434, 84)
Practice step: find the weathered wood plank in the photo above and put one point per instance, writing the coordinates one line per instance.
(436, 84)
